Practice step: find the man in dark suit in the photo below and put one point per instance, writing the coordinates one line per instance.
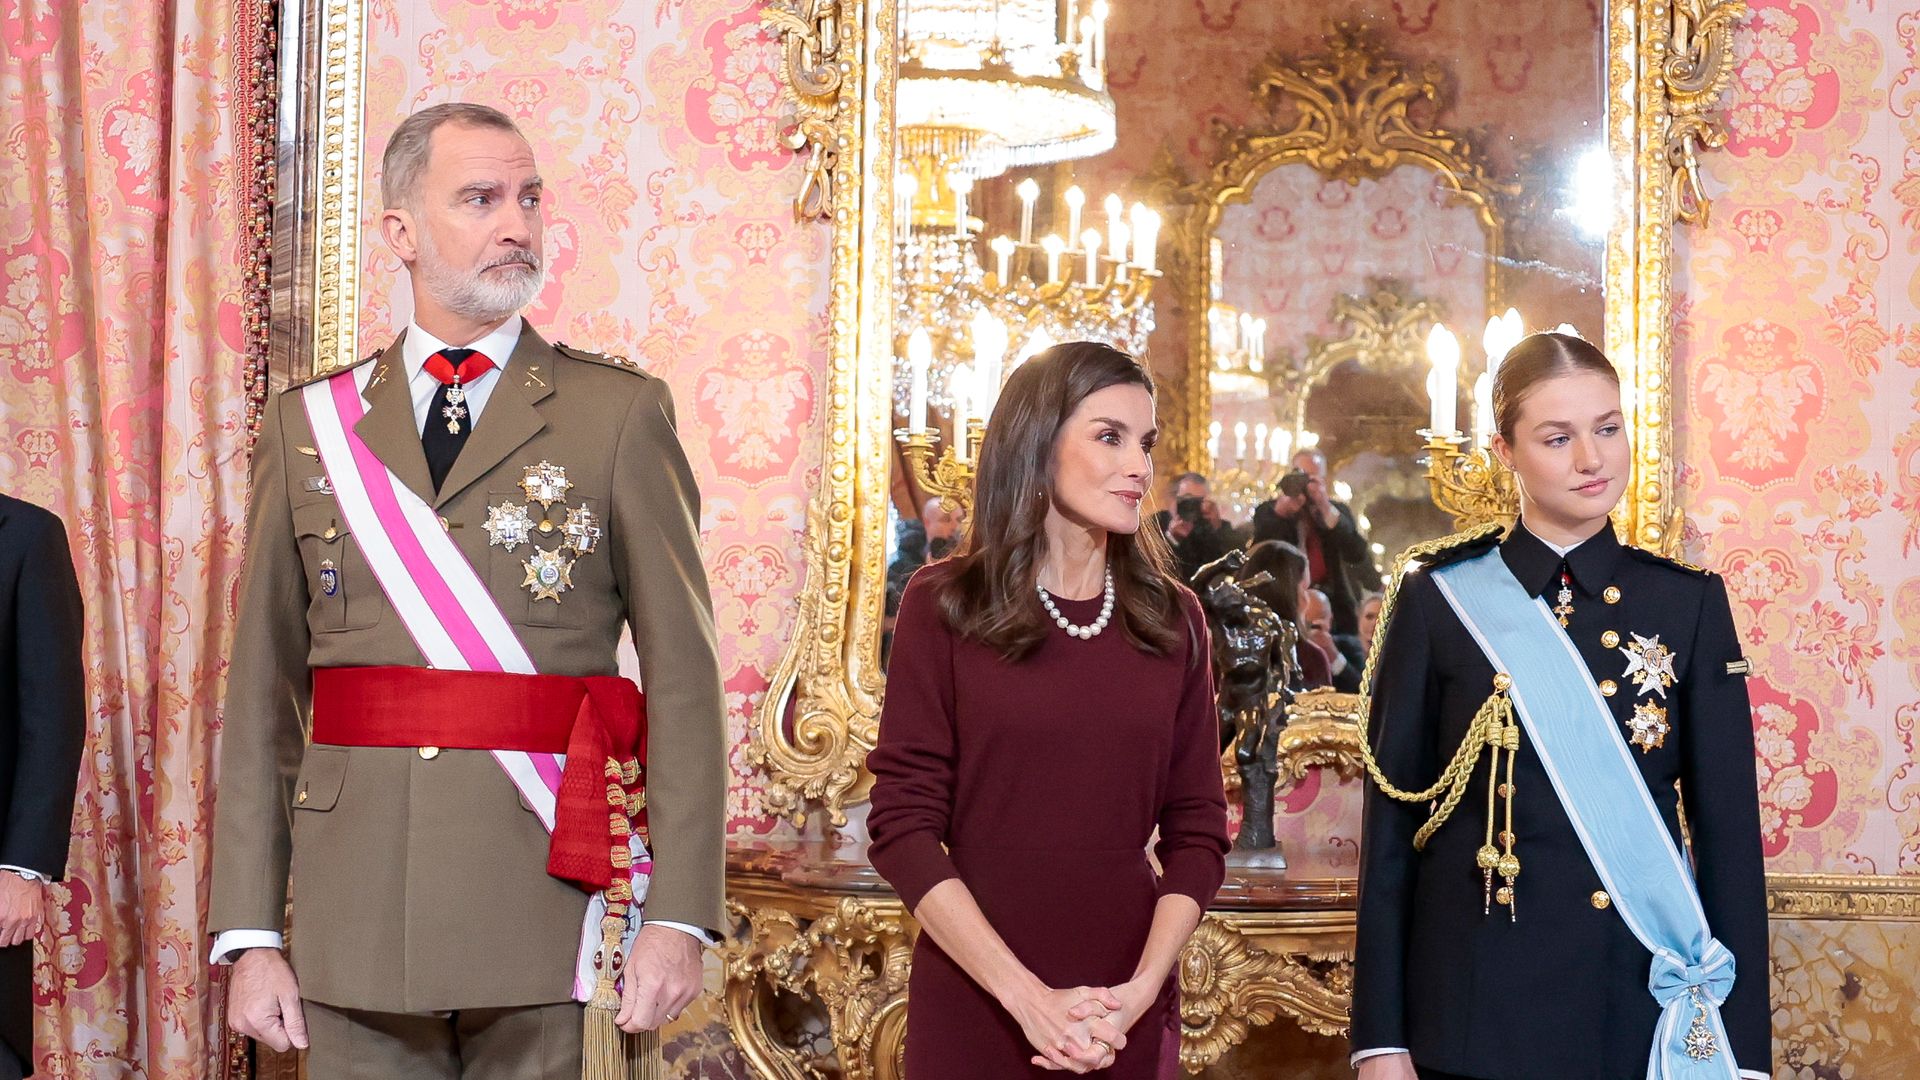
(42, 724)
(1304, 514)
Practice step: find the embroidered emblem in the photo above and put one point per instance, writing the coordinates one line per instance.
(317, 483)
(1649, 665)
(548, 575)
(508, 525)
(546, 484)
(1648, 727)
(582, 530)
(329, 578)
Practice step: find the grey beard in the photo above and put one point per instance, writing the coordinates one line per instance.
(473, 296)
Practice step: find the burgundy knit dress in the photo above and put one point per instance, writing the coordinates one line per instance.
(1039, 785)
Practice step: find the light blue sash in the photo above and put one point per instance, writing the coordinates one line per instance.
(1594, 774)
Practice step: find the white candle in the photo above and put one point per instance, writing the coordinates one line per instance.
(1053, 246)
(908, 186)
(962, 184)
(1075, 200)
(1259, 442)
(1146, 237)
(1087, 73)
(1282, 439)
(1483, 409)
(1090, 243)
(1100, 12)
(1239, 440)
(919, 357)
(1443, 349)
(960, 392)
(1117, 245)
(989, 350)
(1213, 439)
(1491, 341)
(1515, 328)
(1116, 212)
(1260, 340)
(1002, 246)
(1066, 17)
(1029, 191)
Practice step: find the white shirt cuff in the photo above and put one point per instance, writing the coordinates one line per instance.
(230, 942)
(689, 929)
(30, 875)
(1754, 1074)
(1362, 1055)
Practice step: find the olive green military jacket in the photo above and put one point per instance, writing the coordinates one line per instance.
(419, 877)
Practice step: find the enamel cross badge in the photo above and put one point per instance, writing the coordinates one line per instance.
(1649, 665)
(508, 525)
(582, 530)
(546, 484)
(1648, 727)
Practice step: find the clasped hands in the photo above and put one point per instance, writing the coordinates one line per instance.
(1080, 1029)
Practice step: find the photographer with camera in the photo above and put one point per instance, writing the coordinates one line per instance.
(1194, 528)
(1303, 514)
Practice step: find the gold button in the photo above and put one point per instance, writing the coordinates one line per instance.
(1610, 639)
(1609, 687)
(329, 534)
(428, 753)
(1506, 791)
(546, 526)
(1612, 595)
(445, 525)
(1600, 900)
(302, 797)
(1502, 681)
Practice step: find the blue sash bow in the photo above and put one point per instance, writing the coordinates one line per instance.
(1572, 730)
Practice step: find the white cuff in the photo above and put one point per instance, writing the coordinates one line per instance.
(30, 875)
(230, 942)
(685, 928)
(1754, 1074)
(1362, 1055)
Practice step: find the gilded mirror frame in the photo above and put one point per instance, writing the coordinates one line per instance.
(1667, 62)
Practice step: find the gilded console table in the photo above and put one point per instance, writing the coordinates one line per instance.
(820, 927)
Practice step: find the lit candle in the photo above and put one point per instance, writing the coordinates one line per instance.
(1567, 329)
(1483, 409)
(1075, 200)
(1117, 245)
(1116, 212)
(989, 351)
(1443, 349)
(919, 357)
(1259, 442)
(1029, 191)
(1002, 251)
(1100, 12)
(961, 184)
(1493, 341)
(1090, 242)
(1040, 342)
(1260, 340)
(1146, 237)
(1282, 439)
(1213, 439)
(960, 392)
(1239, 440)
(1087, 73)
(1244, 342)
(1066, 17)
(1053, 246)
(908, 186)
(1515, 328)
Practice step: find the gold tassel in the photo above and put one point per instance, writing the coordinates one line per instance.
(608, 1052)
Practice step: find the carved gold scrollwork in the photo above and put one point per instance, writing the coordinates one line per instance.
(854, 960)
(1696, 70)
(810, 66)
(1322, 731)
(1228, 986)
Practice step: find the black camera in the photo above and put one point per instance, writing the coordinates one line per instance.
(1188, 509)
(1294, 484)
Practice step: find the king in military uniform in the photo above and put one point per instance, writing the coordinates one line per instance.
(505, 857)
(1546, 710)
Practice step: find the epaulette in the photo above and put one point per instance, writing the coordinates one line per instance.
(1657, 559)
(1449, 549)
(621, 362)
(330, 372)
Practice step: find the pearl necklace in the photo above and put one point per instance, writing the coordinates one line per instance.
(1082, 632)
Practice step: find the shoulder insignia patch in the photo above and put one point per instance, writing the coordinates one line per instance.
(1448, 549)
(1658, 559)
(604, 359)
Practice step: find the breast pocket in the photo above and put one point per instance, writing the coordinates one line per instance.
(342, 591)
(535, 568)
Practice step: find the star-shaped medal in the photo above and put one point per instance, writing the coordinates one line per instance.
(1648, 728)
(548, 575)
(546, 484)
(582, 530)
(1649, 665)
(508, 525)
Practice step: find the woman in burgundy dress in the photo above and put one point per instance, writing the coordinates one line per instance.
(1049, 706)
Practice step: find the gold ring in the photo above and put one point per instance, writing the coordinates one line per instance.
(1105, 1046)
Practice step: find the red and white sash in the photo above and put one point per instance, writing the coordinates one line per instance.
(445, 607)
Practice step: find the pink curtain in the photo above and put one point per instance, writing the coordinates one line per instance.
(123, 408)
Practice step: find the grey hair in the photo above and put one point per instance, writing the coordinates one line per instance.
(406, 155)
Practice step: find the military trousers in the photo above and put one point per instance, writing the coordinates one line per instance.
(531, 1042)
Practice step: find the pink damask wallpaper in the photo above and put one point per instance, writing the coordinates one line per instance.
(670, 239)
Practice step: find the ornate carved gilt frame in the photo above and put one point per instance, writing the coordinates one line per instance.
(1351, 122)
(1667, 62)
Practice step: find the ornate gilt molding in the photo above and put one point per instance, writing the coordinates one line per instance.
(854, 960)
(1322, 731)
(811, 68)
(1228, 986)
(341, 40)
(1350, 119)
(817, 721)
(1876, 898)
(1696, 70)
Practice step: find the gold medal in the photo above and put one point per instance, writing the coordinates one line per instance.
(508, 525)
(548, 575)
(1648, 727)
(546, 484)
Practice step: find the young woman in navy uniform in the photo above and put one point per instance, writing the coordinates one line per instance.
(1491, 944)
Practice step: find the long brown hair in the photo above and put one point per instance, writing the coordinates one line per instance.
(1285, 564)
(1537, 358)
(988, 595)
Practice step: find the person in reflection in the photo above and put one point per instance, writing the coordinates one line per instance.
(1369, 622)
(1341, 649)
(1049, 707)
(1302, 512)
(1568, 931)
(1194, 526)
